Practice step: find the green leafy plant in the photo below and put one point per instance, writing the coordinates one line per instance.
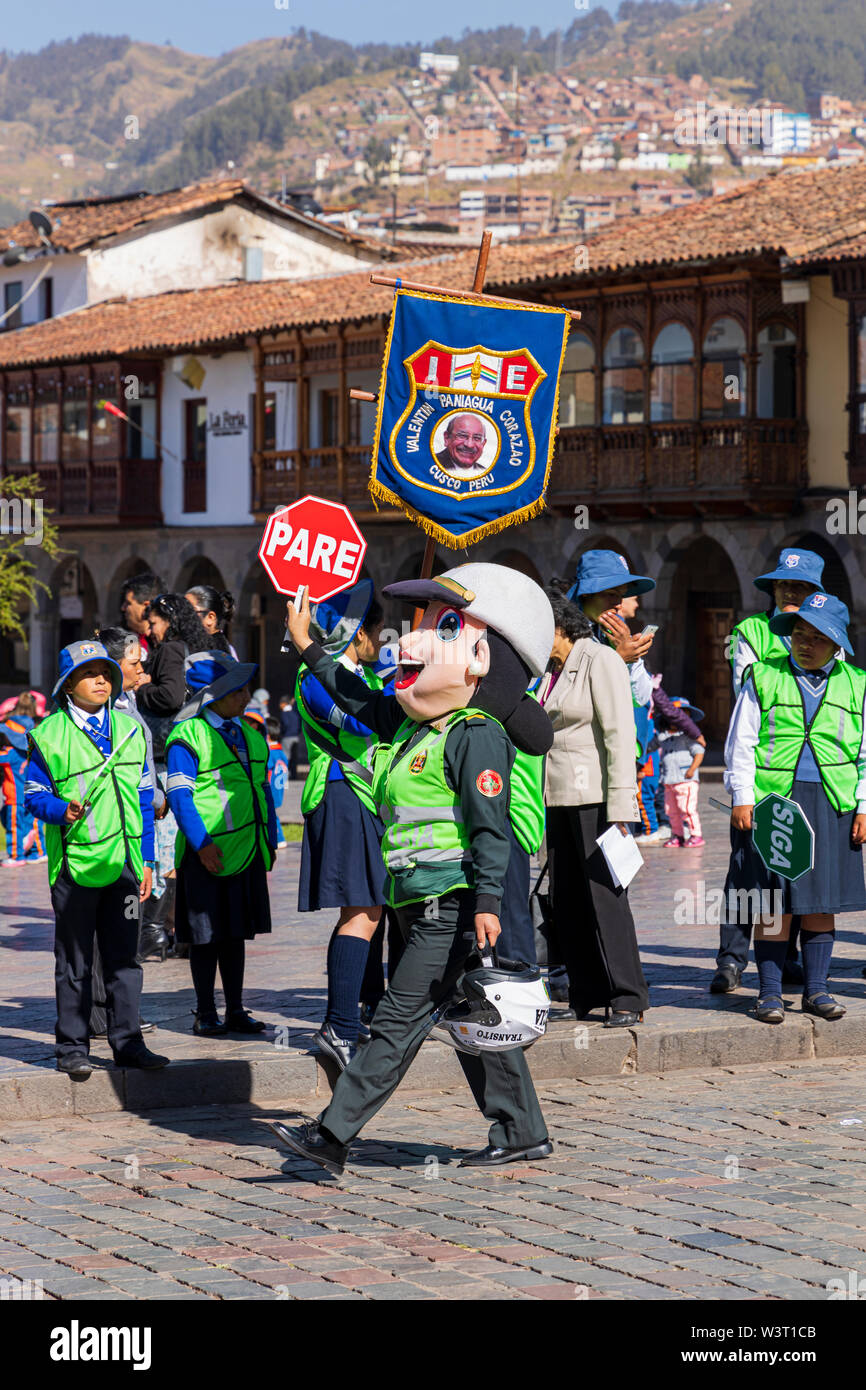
(19, 581)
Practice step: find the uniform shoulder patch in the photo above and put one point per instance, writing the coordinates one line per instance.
(476, 714)
(489, 782)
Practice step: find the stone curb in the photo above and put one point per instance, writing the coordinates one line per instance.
(581, 1052)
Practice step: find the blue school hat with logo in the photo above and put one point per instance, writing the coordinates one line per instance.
(211, 675)
(607, 569)
(79, 654)
(825, 612)
(802, 565)
(334, 622)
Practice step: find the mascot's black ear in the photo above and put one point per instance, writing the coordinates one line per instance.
(529, 728)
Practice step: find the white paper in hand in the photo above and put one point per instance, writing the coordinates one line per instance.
(621, 854)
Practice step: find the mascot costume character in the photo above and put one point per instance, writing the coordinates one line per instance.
(441, 777)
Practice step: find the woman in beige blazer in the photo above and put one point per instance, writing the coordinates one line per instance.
(590, 783)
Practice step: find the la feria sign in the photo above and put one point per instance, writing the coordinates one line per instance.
(228, 422)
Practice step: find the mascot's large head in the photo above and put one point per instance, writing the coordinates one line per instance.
(486, 633)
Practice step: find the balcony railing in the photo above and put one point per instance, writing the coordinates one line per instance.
(678, 467)
(754, 464)
(99, 493)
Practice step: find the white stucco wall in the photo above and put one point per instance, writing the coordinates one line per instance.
(208, 250)
(69, 274)
(229, 382)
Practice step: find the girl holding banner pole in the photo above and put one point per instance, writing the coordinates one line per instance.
(797, 731)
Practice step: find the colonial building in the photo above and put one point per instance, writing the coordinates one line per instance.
(713, 409)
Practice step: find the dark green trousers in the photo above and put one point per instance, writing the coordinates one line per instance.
(438, 937)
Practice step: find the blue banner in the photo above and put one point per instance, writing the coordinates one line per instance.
(467, 413)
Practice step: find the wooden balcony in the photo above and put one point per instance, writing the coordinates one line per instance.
(338, 474)
(682, 469)
(729, 467)
(109, 492)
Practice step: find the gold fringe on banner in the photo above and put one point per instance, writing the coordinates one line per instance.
(490, 528)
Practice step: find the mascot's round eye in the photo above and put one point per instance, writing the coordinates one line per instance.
(449, 625)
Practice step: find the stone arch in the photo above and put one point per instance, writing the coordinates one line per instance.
(703, 602)
(75, 604)
(199, 569)
(111, 590)
(518, 560)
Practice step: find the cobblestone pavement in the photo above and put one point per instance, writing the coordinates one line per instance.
(747, 1184)
(285, 971)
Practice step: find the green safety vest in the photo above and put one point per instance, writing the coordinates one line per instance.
(426, 844)
(834, 734)
(756, 631)
(230, 800)
(526, 802)
(324, 743)
(94, 849)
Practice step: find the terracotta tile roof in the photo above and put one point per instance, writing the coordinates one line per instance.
(81, 224)
(804, 217)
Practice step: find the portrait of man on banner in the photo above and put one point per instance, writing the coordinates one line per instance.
(467, 412)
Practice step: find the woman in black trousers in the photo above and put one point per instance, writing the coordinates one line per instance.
(590, 784)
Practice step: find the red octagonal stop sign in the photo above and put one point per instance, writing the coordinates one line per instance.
(315, 543)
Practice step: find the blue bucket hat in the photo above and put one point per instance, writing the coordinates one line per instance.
(335, 622)
(802, 565)
(78, 654)
(681, 702)
(209, 676)
(607, 569)
(828, 614)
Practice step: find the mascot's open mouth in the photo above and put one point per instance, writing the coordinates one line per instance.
(408, 672)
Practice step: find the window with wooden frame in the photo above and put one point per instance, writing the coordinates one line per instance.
(329, 419)
(857, 392)
(195, 456)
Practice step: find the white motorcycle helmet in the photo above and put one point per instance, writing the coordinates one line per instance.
(502, 1005)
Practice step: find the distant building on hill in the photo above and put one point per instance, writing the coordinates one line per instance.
(441, 63)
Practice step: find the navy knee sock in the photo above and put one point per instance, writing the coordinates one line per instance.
(770, 958)
(347, 957)
(817, 948)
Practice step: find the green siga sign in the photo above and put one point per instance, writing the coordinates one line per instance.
(783, 837)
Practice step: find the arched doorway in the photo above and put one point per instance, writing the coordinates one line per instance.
(705, 598)
(114, 592)
(199, 570)
(516, 560)
(74, 601)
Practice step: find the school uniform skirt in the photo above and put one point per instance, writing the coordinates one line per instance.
(834, 884)
(210, 909)
(341, 853)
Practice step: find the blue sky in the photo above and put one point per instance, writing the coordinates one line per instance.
(213, 26)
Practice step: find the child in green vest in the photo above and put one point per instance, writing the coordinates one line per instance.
(441, 776)
(218, 790)
(89, 780)
(798, 731)
(338, 811)
(797, 575)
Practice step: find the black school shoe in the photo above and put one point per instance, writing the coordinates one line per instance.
(340, 1050)
(823, 1005)
(142, 1059)
(208, 1026)
(726, 980)
(76, 1065)
(242, 1022)
(309, 1142)
(492, 1157)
